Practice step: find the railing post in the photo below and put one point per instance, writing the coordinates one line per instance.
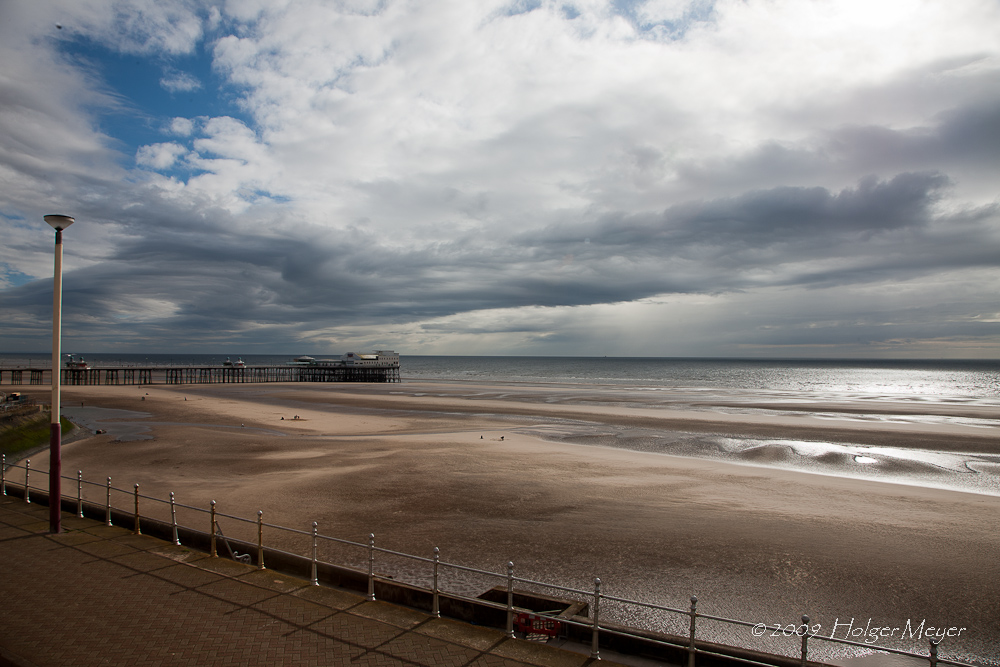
(805, 640)
(933, 656)
(212, 551)
(136, 530)
(3, 475)
(436, 606)
(260, 539)
(79, 493)
(371, 567)
(315, 578)
(595, 646)
(27, 489)
(510, 598)
(173, 519)
(694, 614)
(107, 509)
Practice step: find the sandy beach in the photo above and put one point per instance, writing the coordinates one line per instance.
(538, 475)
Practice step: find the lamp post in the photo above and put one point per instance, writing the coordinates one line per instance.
(58, 223)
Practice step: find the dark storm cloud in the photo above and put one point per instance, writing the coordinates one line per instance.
(219, 280)
(964, 141)
(968, 136)
(614, 259)
(878, 226)
(787, 215)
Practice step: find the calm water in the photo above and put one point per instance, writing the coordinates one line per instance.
(929, 380)
(961, 393)
(959, 379)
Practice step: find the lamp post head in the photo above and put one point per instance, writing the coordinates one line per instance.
(59, 222)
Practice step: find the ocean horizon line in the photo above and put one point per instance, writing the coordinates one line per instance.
(292, 355)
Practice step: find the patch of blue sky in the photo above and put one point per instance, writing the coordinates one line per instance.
(520, 7)
(570, 12)
(696, 11)
(11, 277)
(153, 90)
(257, 196)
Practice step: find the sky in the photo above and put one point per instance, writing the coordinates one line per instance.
(709, 178)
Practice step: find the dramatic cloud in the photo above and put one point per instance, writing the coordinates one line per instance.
(660, 177)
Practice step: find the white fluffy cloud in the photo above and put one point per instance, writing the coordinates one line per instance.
(182, 127)
(179, 82)
(145, 27)
(159, 156)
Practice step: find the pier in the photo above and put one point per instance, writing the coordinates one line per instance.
(381, 366)
(200, 375)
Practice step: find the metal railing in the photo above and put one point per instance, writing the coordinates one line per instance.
(590, 625)
(22, 405)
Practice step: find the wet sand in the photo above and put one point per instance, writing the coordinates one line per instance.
(465, 467)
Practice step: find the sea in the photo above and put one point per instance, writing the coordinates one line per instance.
(963, 393)
(946, 380)
(938, 393)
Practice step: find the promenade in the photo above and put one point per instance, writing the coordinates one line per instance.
(100, 595)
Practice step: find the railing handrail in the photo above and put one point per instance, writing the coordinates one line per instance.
(509, 577)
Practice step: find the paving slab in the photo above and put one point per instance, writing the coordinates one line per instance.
(392, 614)
(72, 522)
(103, 531)
(274, 581)
(75, 537)
(12, 532)
(297, 612)
(224, 566)
(422, 650)
(540, 654)
(105, 548)
(176, 552)
(186, 575)
(142, 561)
(463, 634)
(330, 597)
(355, 630)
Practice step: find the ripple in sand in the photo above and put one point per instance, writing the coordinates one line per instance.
(300, 454)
